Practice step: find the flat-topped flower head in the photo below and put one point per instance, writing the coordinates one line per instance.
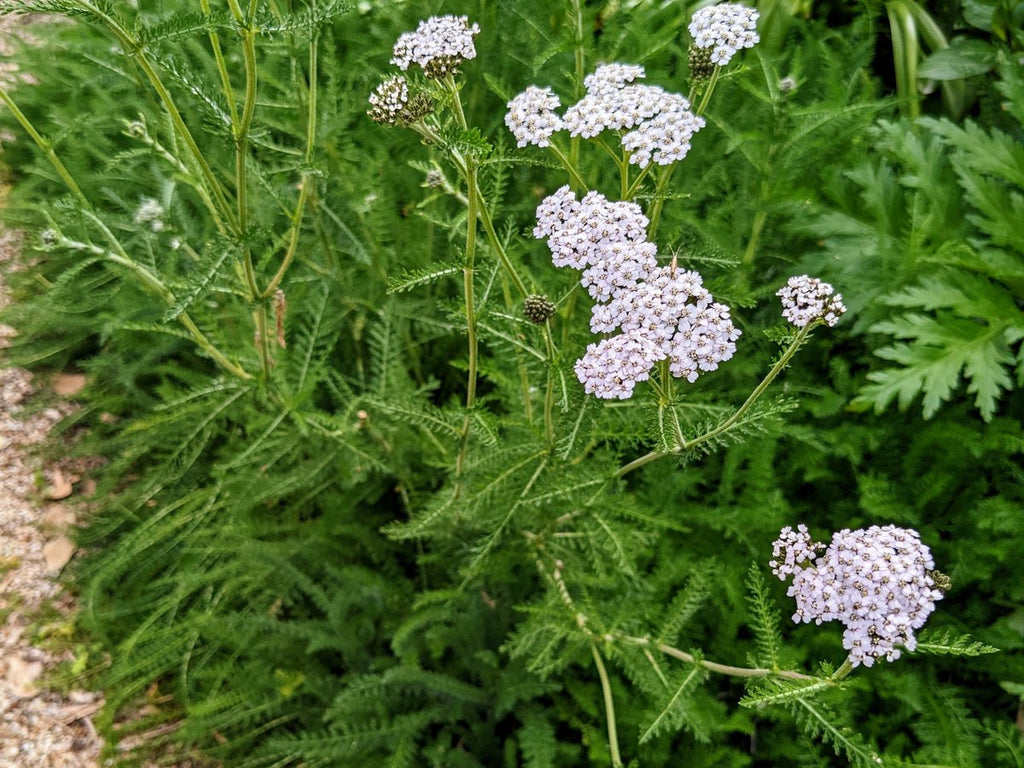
(725, 29)
(805, 299)
(531, 116)
(877, 581)
(611, 368)
(578, 231)
(439, 45)
(665, 138)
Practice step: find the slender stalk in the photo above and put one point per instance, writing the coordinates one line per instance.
(153, 283)
(304, 191)
(46, 146)
(712, 666)
(755, 236)
(725, 425)
(222, 68)
(576, 180)
(549, 393)
(659, 199)
(473, 199)
(609, 707)
(712, 82)
(578, 61)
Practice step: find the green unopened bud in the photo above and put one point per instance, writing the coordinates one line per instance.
(537, 309)
(701, 66)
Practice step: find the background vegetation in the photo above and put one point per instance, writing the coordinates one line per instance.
(309, 541)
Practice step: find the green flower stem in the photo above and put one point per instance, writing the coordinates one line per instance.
(134, 47)
(609, 707)
(473, 200)
(576, 180)
(712, 82)
(549, 392)
(755, 236)
(46, 146)
(659, 199)
(845, 669)
(307, 183)
(712, 666)
(222, 69)
(725, 425)
(579, 52)
(453, 88)
(154, 284)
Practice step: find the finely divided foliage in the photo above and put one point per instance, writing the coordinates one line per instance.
(442, 412)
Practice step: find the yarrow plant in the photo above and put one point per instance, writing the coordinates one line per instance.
(319, 421)
(878, 582)
(656, 321)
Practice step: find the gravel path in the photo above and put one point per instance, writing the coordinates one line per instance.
(38, 728)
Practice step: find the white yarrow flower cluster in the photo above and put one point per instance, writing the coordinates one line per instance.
(438, 45)
(876, 581)
(531, 116)
(389, 100)
(726, 28)
(805, 299)
(660, 313)
(150, 212)
(658, 126)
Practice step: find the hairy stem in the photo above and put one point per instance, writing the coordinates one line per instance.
(304, 190)
(46, 147)
(609, 707)
(712, 666)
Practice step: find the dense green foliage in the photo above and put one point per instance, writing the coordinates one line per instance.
(304, 534)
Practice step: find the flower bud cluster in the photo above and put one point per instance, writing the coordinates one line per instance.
(656, 126)
(439, 45)
(725, 28)
(805, 299)
(659, 312)
(876, 581)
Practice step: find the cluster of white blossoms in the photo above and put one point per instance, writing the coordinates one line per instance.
(659, 312)
(531, 116)
(439, 45)
(656, 126)
(389, 100)
(150, 212)
(725, 28)
(878, 582)
(805, 299)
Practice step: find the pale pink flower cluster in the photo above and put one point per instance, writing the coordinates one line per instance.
(656, 126)
(805, 299)
(876, 581)
(726, 28)
(659, 312)
(438, 45)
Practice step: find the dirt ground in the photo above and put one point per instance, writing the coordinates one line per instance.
(39, 728)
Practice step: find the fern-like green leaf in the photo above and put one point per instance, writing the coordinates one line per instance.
(945, 642)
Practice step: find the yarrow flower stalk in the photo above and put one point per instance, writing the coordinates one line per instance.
(878, 582)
